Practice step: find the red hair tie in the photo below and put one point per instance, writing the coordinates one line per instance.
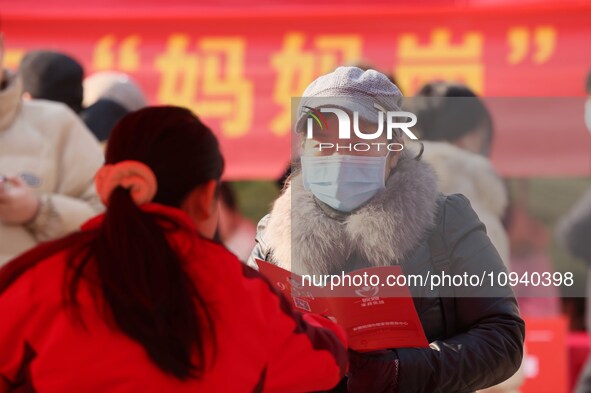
(134, 176)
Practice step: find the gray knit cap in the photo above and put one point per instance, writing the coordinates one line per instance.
(353, 90)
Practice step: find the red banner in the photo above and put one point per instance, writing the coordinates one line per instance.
(545, 363)
(239, 71)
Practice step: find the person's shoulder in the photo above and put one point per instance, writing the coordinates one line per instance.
(217, 258)
(224, 268)
(216, 250)
(40, 107)
(41, 281)
(50, 116)
(222, 257)
(457, 210)
(56, 121)
(459, 169)
(454, 204)
(453, 157)
(457, 217)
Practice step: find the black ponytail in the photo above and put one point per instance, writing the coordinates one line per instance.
(150, 296)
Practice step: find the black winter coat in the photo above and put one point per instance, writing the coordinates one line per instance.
(475, 332)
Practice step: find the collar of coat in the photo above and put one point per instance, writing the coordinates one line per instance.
(382, 232)
(10, 99)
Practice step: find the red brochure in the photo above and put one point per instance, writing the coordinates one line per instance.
(374, 316)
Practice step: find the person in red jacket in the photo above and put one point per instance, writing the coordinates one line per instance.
(139, 300)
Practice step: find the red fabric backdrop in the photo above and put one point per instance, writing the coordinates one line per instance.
(238, 67)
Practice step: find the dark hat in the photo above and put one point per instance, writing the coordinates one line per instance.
(446, 111)
(53, 76)
(102, 116)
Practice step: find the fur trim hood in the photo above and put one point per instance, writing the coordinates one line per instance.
(460, 171)
(382, 232)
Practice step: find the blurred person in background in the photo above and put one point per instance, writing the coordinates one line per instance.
(108, 96)
(48, 159)
(573, 233)
(349, 210)
(235, 231)
(101, 99)
(457, 132)
(52, 76)
(529, 238)
(140, 300)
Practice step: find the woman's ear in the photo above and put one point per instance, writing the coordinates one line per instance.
(393, 159)
(210, 197)
(391, 163)
(201, 206)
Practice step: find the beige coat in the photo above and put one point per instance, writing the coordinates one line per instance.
(49, 146)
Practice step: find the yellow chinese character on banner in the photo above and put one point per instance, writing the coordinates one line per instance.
(440, 60)
(209, 80)
(296, 68)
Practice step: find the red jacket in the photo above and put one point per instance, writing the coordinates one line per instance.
(263, 345)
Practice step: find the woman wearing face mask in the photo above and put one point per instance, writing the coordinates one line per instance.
(141, 301)
(349, 209)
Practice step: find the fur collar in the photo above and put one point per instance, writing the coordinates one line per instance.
(381, 233)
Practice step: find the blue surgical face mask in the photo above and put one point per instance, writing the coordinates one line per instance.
(344, 182)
